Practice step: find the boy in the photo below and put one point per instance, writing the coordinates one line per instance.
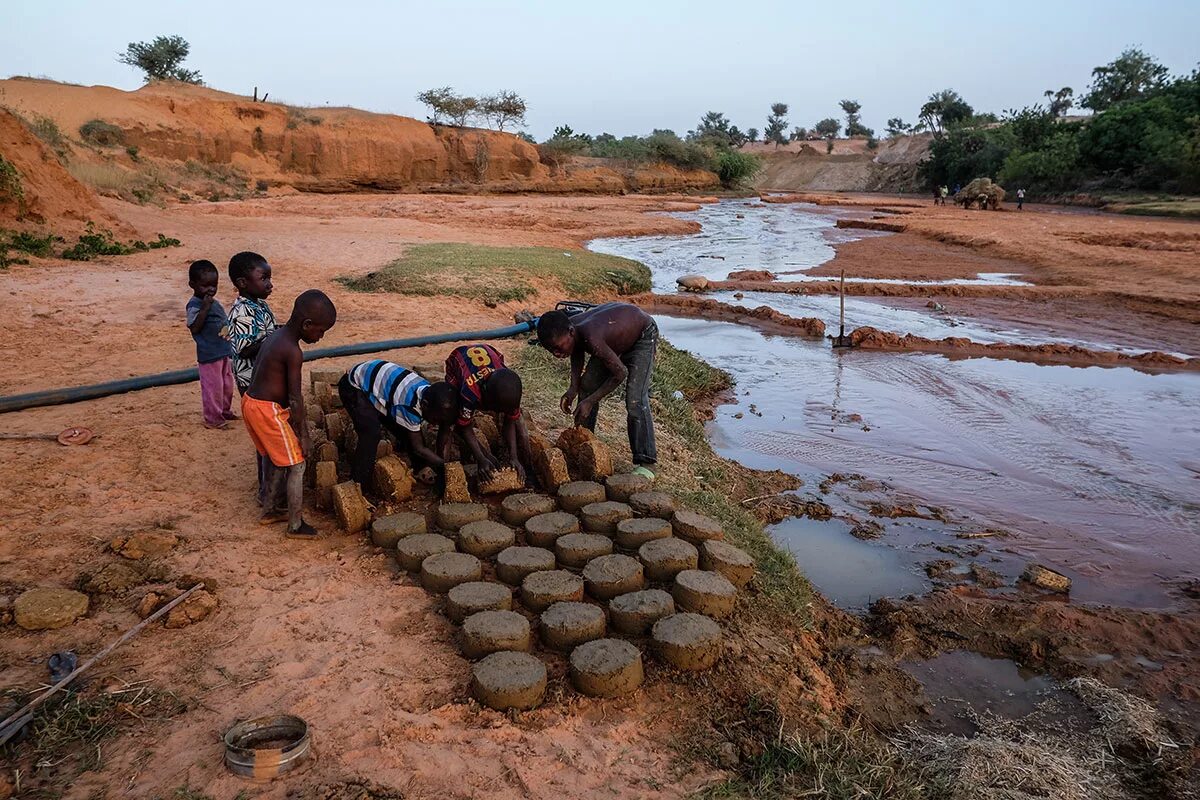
(477, 371)
(273, 405)
(622, 340)
(250, 321)
(210, 329)
(378, 394)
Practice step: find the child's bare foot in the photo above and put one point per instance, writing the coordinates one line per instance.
(305, 531)
(271, 517)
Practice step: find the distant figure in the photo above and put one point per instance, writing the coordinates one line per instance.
(945, 194)
(937, 195)
(957, 189)
(273, 407)
(1020, 198)
(210, 329)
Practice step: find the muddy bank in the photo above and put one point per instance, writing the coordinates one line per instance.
(763, 318)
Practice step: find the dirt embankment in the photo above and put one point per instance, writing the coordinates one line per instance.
(763, 318)
(850, 167)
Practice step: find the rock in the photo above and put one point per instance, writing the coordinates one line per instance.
(633, 533)
(441, 572)
(606, 668)
(1046, 578)
(577, 549)
(472, 597)
(572, 497)
(634, 613)
(687, 641)
(653, 504)
(514, 563)
(603, 517)
(696, 528)
(692, 283)
(503, 480)
(48, 608)
(736, 565)
(505, 681)
(456, 484)
(393, 479)
(150, 602)
(411, 551)
(544, 529)
(452, 516)
(485, 538)
(115, 578)
(663, 559)
(608, 576)
(540, 590)
(517, 509)
(387, 531)
(150, 544)
(493, 631)
(704, 592)
(621, 487)
(351, 507)
(566, 625)
(195, 609)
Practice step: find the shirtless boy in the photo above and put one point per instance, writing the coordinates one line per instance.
(622, 340)
(273, 406)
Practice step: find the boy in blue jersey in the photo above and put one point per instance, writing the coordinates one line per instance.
(378, 394)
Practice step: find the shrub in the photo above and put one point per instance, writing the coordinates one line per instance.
(102, 133)
(10, 182)
(161, 59)
(735, 168)
(95, 242)
(48, 131)
(132, 152)
(40, 246)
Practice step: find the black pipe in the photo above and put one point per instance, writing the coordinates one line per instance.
(55, 397)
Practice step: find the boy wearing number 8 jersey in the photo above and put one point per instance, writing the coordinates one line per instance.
(484, 383)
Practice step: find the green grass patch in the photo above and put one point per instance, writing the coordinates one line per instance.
(502, 274)
(1186, 208)
(93, 243)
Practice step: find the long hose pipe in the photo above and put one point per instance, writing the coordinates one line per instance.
(77, 394)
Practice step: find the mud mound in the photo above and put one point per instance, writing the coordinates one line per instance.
(764, 318)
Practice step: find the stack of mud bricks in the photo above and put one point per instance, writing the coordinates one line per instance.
(595, 573)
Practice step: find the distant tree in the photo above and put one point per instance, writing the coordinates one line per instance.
(828, 128)
(898, 127)
(714, 128)
(1060, 102)
(505, 108)
(525, 137)
(776, 124)
(440, 101)
(161, 59)
(563, 132)
(1131, 75)
(798, 134)
(945, 109)
(854, 126)
(752, 135)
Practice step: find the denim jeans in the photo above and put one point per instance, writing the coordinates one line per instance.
(639, 360)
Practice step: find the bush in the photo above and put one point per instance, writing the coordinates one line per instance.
(10, 182)
(94, 243)
(48, 131)
(40, 246)
(735, 168)
(102, 133)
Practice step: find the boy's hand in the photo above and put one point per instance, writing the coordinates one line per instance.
(487, 467)
(566, 401)
(518, 468)
(583, 411)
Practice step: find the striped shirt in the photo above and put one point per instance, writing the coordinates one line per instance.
(395, 392)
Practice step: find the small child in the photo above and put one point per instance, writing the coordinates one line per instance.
(484, 383)
(250, 321)
(210, 329)
(273, 406)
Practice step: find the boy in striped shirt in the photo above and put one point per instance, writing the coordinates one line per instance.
(378, 394)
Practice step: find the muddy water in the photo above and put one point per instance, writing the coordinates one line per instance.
(1093, 471)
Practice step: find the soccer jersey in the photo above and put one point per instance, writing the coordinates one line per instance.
(466, 370)
(250, 321)
(395, 392)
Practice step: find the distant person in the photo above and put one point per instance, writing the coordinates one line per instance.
(957, 189)
(378, 394)
(484, 383)
(945, 193)
(1020, 198)
(622, 340)
(273, 406)
(209, 325)
(250, 322)
(937, 195)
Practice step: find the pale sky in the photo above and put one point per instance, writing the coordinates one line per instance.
(617, 66)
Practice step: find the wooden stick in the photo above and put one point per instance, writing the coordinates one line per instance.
(6, 734)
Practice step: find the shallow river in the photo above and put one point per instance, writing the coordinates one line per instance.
(1093, 471)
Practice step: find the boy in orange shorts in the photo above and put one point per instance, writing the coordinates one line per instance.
(273, 407)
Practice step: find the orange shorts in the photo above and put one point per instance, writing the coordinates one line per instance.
(273, 437)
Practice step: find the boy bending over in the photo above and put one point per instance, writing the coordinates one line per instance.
(273, 406)
(477, 371)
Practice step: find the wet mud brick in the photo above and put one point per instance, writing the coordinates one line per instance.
(336, 424)
(549, 463)
(572, 497)
(485, 538)
(350, 440)
(587, 457)
(633, 533)
(634, 613)
(329, 376)
(1046, 578)
(687, 641)
(606, 668)
(663, 559)
(393, 479)
(540, 590)
(577, 549)
(503, 480)
(514, 563)
(517, 509)
(387, 531)
(736, 565)
(509, 681)
(696, 528)
(351, 507)
(316, 434)
(324, 394)
(603, 517)
(325, 477)
(452, 516)
(488, 632)
(704, 592)
(457, 490)
(566, 625)
(653, 504)
(607, 577)
(544, 529)
(621, 487)
(487, 432)
(411, 551)
(327, 452)
(48, 608)
(472, 597)
(443, 571)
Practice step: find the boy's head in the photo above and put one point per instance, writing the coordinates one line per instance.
(202, 277)
(440, 404)
(556, 333)
(502, 391)
(251, 274)
(313, 313)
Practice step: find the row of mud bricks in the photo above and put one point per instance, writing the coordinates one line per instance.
(600, 570)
